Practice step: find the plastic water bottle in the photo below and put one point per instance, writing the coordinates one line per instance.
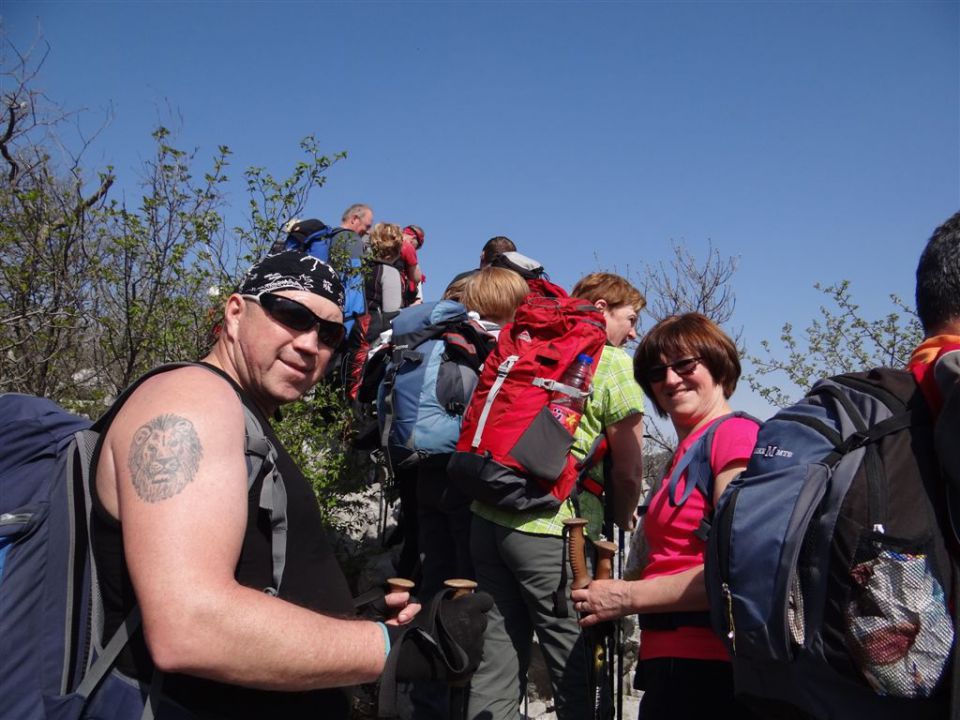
(568, 410)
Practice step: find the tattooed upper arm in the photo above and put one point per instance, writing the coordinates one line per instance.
(164, 456)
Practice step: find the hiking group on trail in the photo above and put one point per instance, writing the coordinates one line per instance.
(169, 560)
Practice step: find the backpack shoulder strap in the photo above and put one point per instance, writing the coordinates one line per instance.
(696, 461)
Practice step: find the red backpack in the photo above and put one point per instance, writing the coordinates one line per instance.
(513, 453)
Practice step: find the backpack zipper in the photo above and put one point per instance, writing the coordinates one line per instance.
(505, 367)
(732, 632)
(723, 561)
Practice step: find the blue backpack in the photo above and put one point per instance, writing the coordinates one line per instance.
(343, 249)
(827, 569)
(435, 356)
(55, 664)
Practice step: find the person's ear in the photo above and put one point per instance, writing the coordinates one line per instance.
(232, 312)
(601, 305)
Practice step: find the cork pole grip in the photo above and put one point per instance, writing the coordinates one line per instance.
(605, 552)
(578, 558)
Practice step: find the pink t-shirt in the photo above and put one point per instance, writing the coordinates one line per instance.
(673, 547)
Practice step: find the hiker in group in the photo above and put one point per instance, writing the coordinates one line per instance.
(443, 510)
(413, 237)
(357, 218)
(519, 556)
(831, 565)
(177, 533)
(493, 247)
(688, 367)
(494, 294)
(935, 363)
(383, 280)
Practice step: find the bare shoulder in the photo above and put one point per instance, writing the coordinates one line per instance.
(172, 426)
(192, 394)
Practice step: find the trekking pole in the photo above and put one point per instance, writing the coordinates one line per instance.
(597, 664)
(460, 689)
(619, 640)
(601, 650)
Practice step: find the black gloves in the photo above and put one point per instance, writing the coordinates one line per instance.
(444, 642)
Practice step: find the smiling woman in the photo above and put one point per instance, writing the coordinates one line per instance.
(689, 367)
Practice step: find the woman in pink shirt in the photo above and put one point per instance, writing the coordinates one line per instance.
(689, 368)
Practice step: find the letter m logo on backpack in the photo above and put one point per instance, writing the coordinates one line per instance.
(827, 569)
(513, 453)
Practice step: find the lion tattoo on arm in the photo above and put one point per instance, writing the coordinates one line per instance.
(164, 456)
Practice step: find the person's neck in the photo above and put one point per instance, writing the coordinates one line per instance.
(220, 358)
(719, 409)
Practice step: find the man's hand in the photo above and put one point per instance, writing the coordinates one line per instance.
(399, 603)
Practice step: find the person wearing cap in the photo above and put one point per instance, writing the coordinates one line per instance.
(413, 237)
(177, 533)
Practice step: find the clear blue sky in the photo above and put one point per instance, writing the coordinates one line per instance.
(817, 141)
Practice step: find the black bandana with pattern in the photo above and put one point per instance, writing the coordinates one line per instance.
(293, 270)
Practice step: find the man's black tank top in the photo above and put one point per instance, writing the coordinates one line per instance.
(312, 578)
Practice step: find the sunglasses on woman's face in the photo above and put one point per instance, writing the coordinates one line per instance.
(658, 373)
(298, 316)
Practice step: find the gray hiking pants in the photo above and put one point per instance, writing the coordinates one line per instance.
(522, 572)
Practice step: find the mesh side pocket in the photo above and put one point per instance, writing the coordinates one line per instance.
(898, 627)
(796, 619)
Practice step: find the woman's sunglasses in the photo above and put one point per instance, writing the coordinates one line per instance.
(298, 316)
(658, 373)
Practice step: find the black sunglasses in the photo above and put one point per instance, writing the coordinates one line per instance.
(658, 373)
(298, 316)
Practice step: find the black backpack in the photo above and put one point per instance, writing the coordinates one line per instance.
(828, 571)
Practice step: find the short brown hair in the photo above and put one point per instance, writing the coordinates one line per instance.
(496, 245)
(688, 334)
(386, 241)
(617, 291)
(494, 293)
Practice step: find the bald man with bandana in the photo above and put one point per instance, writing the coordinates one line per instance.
(187, 541)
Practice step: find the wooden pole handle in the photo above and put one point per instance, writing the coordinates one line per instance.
(605, 552)
(460, 586)
(396, 585)
(576, 551)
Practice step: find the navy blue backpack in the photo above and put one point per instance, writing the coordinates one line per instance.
(827, 569)
(54, 662)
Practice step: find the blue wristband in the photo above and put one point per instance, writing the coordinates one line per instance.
(386, 639)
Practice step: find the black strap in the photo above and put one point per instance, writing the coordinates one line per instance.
(435, 637)
(560, 594)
